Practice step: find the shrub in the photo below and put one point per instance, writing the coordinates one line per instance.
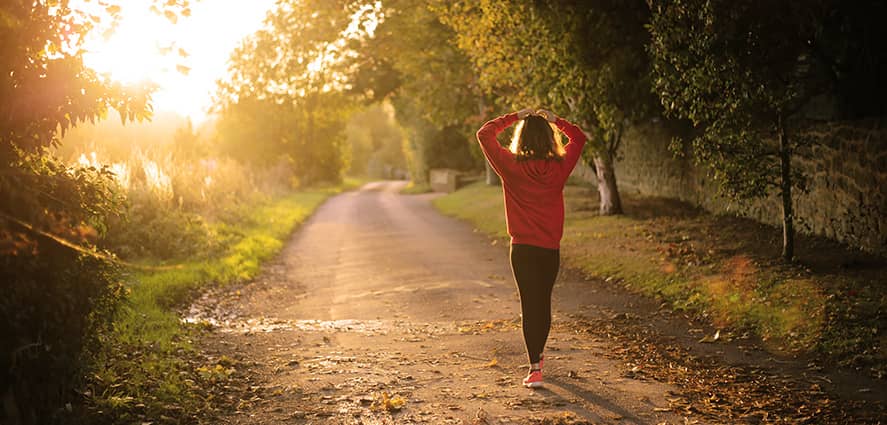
(57, 300)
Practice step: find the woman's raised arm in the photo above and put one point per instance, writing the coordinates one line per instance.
(496, 154)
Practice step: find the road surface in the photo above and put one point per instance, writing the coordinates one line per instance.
(380, 310)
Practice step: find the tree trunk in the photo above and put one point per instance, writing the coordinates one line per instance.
(611, 203)
(785, 158)
(491, 178)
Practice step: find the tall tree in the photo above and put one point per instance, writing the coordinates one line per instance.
(412, 60)
(376, 143)
(57, 290)
(741, 71)
(285, 89)
(585, 58)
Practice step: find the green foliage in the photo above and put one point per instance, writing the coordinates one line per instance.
(376, 143)
(742, 72)
(430, 83)
(44, 85)
(413, 188)
(58, 294)
(309, 140)
(283, 100)
(433, 73)
(173, 192)
(585, 58)
(428, 146)
(56, 301)
(732, 69)
(155, 229)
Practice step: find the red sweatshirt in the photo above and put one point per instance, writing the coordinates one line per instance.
(534, 189)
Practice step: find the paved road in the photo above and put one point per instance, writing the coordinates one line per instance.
(378, 293)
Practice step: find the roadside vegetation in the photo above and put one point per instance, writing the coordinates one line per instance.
(413, 188)
(148, 367)
(724, 270)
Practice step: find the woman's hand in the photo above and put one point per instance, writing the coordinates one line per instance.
(548, 115)
(523, 113)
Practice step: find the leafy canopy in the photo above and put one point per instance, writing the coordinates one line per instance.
(582, 58)
(733, 69)
(284, 98)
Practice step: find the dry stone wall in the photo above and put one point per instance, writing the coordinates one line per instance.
(846, 163)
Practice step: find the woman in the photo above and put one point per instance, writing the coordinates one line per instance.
(534, 171)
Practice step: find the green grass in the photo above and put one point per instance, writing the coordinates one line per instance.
(480, 204)
(413, 188)
(148, 370)
(714, 267)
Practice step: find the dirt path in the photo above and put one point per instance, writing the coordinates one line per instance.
(380, 310)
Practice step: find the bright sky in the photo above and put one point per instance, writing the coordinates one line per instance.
(135, 50)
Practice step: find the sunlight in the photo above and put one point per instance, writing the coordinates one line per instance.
(183, 59)
(133, 52)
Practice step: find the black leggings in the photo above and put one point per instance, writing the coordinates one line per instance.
(535, 270)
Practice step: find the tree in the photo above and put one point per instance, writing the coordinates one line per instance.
(584, 58)
(57, 288)
(376, 143)
(741, 72)
(285, 90)
(413, 61)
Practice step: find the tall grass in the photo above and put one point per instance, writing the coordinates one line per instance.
(173, 202)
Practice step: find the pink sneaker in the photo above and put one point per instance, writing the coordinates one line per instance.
(534, 379)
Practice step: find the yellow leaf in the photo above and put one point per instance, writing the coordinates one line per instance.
(388, 403)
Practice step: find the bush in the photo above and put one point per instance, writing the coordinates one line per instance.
(57, 300)
(170, 200)
(152, 228)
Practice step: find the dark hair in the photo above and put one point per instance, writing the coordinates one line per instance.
(536, 138)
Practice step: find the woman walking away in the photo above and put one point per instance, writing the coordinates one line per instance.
(534, 171)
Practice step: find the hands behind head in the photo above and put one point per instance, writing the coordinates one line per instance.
(523, 113)
(548, 115)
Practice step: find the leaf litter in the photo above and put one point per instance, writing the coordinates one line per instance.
(718, 392)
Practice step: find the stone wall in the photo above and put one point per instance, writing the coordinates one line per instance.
(846, 164)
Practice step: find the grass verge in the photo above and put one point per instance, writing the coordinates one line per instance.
(149, 370)
(413, 188)
(725, 270)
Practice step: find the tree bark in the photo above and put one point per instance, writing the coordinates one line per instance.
(611, 203)
(785, 157)
(492, 179)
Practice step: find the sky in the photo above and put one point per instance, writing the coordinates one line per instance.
(136, 50)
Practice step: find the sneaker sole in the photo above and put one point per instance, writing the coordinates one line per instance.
(533, 385)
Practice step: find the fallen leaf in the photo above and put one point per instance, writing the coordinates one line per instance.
(388, 403)
(709, 339)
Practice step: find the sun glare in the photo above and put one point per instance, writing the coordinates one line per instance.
(133, 53)
(183, 59)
